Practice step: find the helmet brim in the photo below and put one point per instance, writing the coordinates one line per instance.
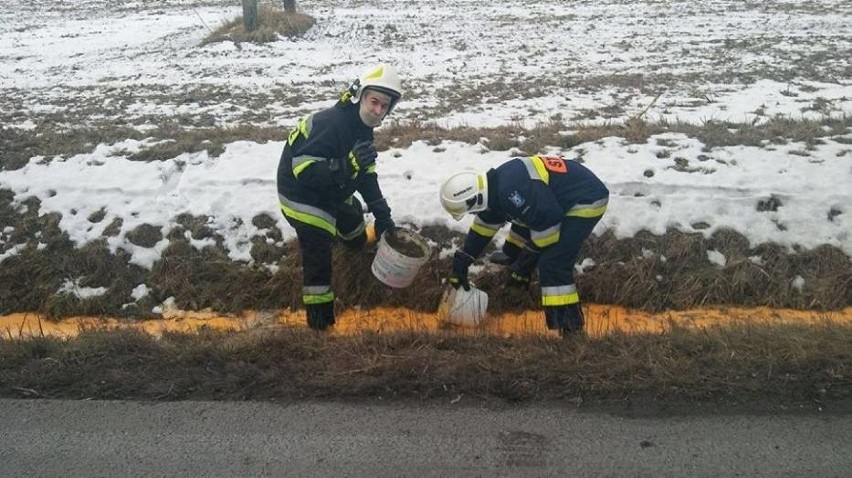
(395, 95)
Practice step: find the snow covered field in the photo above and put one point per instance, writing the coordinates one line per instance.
(98, 64)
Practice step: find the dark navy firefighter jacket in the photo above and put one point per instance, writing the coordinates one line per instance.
(537, 193)
(313, 179)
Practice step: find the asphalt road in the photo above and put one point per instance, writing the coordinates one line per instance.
(97, 438)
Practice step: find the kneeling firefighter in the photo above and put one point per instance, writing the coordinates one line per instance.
(553, 204)
(327, 158)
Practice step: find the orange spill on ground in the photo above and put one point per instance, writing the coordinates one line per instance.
(600, 320)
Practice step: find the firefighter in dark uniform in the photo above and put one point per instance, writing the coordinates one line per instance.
(553, 204)
(328, 157)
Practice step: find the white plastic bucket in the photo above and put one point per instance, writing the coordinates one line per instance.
(463, 307)
(394, 268)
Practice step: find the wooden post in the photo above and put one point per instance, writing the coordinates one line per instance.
(290, 6)
(250, 15)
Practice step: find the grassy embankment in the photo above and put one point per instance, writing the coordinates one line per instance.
(809, 365)
(772, 365)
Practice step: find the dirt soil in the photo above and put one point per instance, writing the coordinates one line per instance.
(405, 242)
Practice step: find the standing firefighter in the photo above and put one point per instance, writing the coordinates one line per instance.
(328, 157)
(553, 205)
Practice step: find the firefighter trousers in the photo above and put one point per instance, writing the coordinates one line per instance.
(315, 246)
(559, 294)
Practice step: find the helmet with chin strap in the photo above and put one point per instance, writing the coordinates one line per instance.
(382, 78)
(465, 192)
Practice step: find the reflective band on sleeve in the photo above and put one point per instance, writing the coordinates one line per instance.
(559, 295)
(484, 229)
(307, 214)
(516, 239)
(352, 235)
(595, 209)
(353, 160)
(536, 169)
(302, 162)
(546, 237)
(304, 128)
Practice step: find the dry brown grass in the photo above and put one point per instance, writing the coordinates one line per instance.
(500, 138)
(18, 146)
(169, 140)
(635, 130)
(686, 278)
(273, 24)
(630, 272)
(172, 138)
(766, 364)
(177, 140)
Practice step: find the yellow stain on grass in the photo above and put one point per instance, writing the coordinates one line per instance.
(600, 320)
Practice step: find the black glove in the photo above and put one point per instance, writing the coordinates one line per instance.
(521, 269)
(384, 223)
(517, 280)
(362, 156)
(381, 211)
(461, 263)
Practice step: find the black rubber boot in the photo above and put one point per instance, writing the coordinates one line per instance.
(575, 323)
(320, 316)
(568, 319)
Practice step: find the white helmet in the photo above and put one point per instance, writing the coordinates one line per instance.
(383, 78)
(464, 192)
